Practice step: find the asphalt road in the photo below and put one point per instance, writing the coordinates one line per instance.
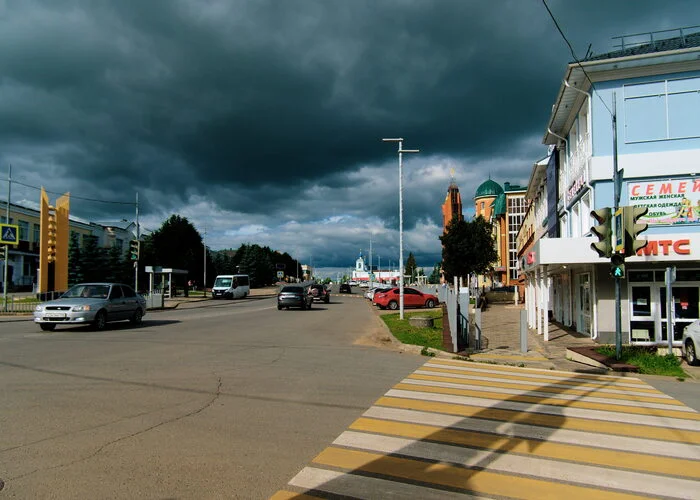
(222, 400)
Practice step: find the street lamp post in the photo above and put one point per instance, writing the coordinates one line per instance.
(401, 151)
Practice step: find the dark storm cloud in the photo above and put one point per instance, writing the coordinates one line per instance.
(272, 111)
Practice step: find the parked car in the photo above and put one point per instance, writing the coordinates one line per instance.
(369, 294)
(691, 341)
(345, 288)
(320, 293)
(389, 299)
(294, 296)
(92, 303)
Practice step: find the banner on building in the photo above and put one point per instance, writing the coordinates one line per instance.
(669, 202)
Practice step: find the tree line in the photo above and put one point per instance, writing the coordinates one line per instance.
(178, 245)
(468, 247)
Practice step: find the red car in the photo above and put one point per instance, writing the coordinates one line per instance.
(411, 298)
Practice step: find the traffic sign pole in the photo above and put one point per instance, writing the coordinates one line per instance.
(7, 245)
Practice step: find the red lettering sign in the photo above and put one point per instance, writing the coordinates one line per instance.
(679, 247)
(665, 188)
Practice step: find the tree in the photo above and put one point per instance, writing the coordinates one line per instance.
(92, 260)
(468, 247)
(411, 267)
(178, 245)
(434, 277)
(75, 274)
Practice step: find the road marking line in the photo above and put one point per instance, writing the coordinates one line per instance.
(562, 418)
(479, 481)
(550, 381)
(502, 457)
(536, 371)
(350, 485)
(559, 402)
(545, 392)
(526, 431)
(531, 447)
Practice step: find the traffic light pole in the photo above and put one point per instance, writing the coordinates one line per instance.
(617, 180)
(136, 262)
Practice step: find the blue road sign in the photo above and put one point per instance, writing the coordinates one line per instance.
(9, 234)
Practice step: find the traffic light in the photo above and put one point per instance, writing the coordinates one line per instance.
(633, 228)
(134, 249)
(603, 231)
(51, 233)
(617, 265)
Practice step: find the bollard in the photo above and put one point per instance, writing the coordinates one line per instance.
(523, 331)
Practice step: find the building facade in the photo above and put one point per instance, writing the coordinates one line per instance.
(23, 260)
(505, 208)
(652, 89)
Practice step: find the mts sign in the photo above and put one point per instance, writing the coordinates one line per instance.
(665, 247)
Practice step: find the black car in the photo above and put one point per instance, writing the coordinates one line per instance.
(294, 296)
(320, 293)
(345, 288)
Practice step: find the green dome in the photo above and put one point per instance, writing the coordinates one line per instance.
(489, 188)
(499, 205)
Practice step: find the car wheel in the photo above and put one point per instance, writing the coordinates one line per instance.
(279, 308)
(100, 321)
(691, 356)
(393, 305)
(429, 303)
(47, 327)
(137, 318)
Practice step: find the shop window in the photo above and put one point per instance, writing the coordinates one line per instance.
(641, 301)
(688, 275)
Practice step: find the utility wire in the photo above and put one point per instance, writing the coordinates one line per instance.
(573, 54)
(73, 197)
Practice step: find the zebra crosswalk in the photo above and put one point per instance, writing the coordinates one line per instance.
(455, 429)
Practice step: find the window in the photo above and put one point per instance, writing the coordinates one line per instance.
(482, 206)
(23, 226)
(36, 230)
(662, 110)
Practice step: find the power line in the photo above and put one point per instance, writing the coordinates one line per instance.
(573, 54)
(73, 197)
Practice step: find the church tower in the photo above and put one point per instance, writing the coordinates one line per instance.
(453, 204)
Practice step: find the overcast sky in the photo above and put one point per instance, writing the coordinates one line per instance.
(261, 120)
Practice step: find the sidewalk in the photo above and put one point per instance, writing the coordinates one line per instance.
(501, 344)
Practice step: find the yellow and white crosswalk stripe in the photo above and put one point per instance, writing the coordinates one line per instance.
(458, 430)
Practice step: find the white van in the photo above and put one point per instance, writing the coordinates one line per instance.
(231, 286)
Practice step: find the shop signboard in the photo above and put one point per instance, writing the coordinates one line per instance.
(670, 202)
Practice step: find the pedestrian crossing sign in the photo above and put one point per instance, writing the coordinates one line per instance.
(9, 234)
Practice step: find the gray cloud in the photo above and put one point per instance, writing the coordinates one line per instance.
(261, 120)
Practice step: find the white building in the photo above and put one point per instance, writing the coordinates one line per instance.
(654, 86)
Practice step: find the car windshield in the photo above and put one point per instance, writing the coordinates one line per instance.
(292, 289)
(223, 282)
(87, 291)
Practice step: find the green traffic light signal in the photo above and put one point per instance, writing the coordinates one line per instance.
(134, 249)
(603, 231)
(617, 265)
(633, 229)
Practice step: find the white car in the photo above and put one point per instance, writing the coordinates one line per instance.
(369, 294)
(691, 341)
(91, 303)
